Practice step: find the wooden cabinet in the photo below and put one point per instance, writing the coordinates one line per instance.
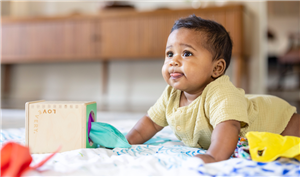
(144, 35)
(138, 37)
(109, 35)
(41, 41)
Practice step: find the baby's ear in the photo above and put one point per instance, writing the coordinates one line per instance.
(219, 68)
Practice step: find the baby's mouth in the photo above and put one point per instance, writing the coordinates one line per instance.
(176, 75)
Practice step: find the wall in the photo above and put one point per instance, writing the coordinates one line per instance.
(256, 45)
(133, 85)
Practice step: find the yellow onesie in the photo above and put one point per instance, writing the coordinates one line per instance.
(219, 101)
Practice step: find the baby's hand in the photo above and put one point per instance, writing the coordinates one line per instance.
(206, 158)
(225, 135)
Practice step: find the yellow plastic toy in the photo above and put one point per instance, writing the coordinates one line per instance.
(267, 147)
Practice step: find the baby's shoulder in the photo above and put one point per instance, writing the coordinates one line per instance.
(222, 86)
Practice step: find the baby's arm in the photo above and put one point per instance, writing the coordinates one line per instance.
(143, 130)
(223, 142)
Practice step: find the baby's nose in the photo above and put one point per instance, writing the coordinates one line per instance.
(174, 63)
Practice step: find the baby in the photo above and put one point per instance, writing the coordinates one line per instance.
(200, 104)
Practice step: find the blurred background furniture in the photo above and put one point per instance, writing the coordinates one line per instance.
(284, 51)
(289, 63)
(107, 36)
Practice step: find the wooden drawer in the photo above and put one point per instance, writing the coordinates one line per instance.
(46, 41)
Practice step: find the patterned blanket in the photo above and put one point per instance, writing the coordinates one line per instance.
(162, 155)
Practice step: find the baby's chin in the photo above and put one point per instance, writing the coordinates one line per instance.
(177, 86)
(182, 87)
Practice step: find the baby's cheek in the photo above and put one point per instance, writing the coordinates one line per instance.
(166, 76)
(164, 71)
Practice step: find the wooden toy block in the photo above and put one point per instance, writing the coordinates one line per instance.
(50, 124)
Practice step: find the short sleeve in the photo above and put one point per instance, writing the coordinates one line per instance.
(226, 102)
(157, 112)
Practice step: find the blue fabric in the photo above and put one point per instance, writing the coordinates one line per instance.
(159, 140)
(107, 136)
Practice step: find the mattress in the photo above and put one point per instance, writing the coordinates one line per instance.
(164, 154)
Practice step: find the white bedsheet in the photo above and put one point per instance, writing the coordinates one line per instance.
(165, 155)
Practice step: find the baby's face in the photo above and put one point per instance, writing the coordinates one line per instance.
(188, 66)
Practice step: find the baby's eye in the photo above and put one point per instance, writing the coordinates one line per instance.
(169, 54)
(187, 54)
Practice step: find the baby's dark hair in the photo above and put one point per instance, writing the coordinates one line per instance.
(216, 39)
